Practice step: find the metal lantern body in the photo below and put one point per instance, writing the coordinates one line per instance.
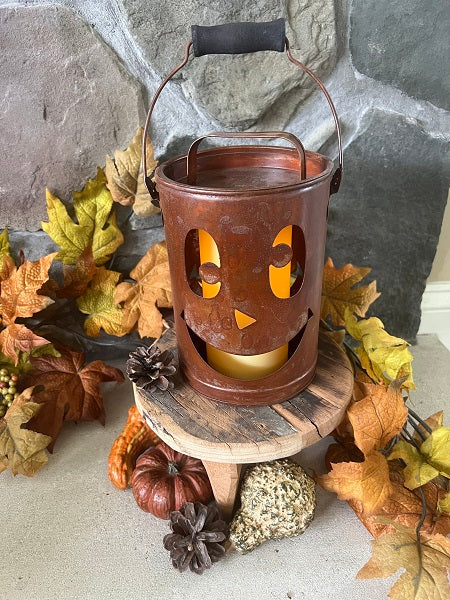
(243, 197)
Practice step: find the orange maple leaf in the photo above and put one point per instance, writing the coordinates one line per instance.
(339, 293)
(19, 295)
(405, 507)
(152, 289)
(18, 337)
(377, 417)
(367, 482)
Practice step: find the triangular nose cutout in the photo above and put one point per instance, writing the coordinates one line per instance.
(242, 319)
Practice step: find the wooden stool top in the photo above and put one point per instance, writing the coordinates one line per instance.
(217, 432)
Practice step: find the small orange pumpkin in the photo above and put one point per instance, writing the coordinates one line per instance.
(164, 480)
(133, 440)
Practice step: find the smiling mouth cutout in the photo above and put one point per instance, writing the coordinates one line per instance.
(257, 366)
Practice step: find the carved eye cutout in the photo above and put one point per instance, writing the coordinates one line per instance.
(202, 263)
(287, 262)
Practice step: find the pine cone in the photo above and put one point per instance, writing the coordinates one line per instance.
(150, 368)
(197, 533)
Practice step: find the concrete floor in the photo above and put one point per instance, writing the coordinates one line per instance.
(68, 534)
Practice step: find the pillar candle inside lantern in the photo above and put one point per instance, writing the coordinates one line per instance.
(236, 365)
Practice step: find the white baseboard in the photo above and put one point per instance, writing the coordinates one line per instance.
(436, 310)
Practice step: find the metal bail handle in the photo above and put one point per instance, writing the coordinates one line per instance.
(240, 38)
(192, 152)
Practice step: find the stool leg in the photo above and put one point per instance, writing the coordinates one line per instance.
(224, 480)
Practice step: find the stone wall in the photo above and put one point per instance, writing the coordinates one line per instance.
(77, 74)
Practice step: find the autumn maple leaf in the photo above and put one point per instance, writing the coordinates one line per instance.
(377, 417)
(98, 302)
(70, 391)
(426, 563)
(19, 295)
(5, 249)
(404, 506)
(152, 289)
(340, 294)
(366, 482)
(427, 462)
(21, 449)
(96, 226)
(77, 277)
(20, 298)
(383, 356)
(126, 179)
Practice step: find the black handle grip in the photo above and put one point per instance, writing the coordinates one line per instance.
(238, 38)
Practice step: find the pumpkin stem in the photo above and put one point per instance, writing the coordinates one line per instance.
(172, 468)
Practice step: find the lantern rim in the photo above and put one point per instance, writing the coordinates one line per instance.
(287, 160)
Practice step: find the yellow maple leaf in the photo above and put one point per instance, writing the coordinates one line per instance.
(426, 564)
(19, 295)
(417, 471)
(22, 450)
(152, 288)
(98, 302)
(126, 179)
(96, 226)
(339, 292)
(436, 448)
(367, 482)
(5, 250)
(378, 417)
(425, 464)
(382, 355)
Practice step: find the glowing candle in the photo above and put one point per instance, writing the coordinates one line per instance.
(236, 365)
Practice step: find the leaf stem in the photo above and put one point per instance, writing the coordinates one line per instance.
(387, 451)
(409, 438)
(420, 523)
(419, 420)
(416, 428)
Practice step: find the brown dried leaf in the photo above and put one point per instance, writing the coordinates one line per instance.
(339, 293)
(77, 277)
(22, 450)
(152, 289)
(71, 390)
(126, 179)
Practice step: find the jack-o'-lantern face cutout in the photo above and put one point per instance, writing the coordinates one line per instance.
(245, 297)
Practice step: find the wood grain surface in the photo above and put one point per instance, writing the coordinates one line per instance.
(220, 433)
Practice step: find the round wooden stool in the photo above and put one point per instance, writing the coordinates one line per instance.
(226, 437)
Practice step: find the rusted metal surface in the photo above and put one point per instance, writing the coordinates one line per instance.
(244, 224)
(243, 196)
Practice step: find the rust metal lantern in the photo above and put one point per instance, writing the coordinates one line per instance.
(245, 230)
